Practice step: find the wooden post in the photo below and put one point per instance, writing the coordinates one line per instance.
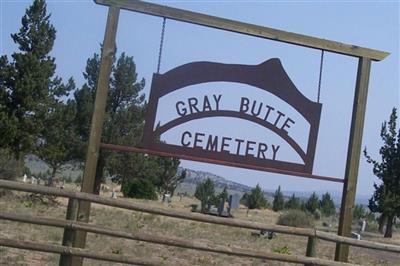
(92, 154)
(311, 247)
(72, 214)
(353, 156)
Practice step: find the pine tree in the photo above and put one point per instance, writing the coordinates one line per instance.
(125, 112)
(132, 166)
(10, 168)
(205, 192)
(169, 178)
(279, 202)
(312, 203)
(244, 199)
(386, 198)
(293, 203)
(224, 194)
(327, 205)
(124, 117)
(58, 141)
(256, 199)
(27, 82)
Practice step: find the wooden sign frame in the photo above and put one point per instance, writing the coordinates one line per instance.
(364, 55)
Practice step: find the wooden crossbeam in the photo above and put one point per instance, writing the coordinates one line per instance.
(129, 205)
(245, 28)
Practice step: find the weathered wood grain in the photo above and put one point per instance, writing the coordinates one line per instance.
(245, 28)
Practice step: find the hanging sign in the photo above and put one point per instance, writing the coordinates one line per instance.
(194, 141)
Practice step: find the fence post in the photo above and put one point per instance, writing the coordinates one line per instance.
(353, 157)
(93, 149)
(68, 237)
(311, 247)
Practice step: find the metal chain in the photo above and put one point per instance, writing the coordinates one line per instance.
(161, 46)
(320, 75)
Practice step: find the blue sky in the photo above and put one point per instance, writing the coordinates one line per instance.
(80, 29)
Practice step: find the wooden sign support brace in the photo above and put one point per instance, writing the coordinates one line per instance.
(93, 149)
(353, 156)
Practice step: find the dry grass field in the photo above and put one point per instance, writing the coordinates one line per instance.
(134, 221)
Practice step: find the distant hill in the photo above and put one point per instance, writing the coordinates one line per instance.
(193, 178)
(196, 177)
(37, 166)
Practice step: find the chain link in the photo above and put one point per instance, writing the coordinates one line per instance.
(161, 46)
(320, 75)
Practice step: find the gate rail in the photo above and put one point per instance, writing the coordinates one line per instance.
(312, 234)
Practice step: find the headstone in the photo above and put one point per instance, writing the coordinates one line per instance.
(213, 210)
(221, 206)
(355, 236)
(167, 198)
(113, 194)
(234, 201)
(268, 234)
(363, 225)
(271, 235)
(325, 224)
(265, 234)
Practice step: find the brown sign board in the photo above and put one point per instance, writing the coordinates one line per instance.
(268, 76)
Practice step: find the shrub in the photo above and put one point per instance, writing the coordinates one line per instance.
(256, 199)
(359, 212)
(312, 203)
(296, 218)
(293, 203)
(224, 194)
(78, 180)
(317, 214)
(140, 189)
(327, 205)
(372, 227)
(244, 199)
(279, 202)
(282, 250)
